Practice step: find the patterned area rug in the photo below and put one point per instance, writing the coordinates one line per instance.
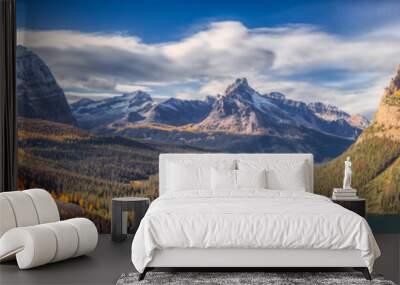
(269, 278)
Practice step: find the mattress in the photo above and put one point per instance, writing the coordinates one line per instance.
(252, 219)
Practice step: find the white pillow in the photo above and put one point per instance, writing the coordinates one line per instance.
(292, 178)
(185, 178)
(193, 174)
(223, 179)
(251, 178)
(283, 174)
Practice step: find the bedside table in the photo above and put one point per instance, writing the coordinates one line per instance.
(358, 205)
(119, 215)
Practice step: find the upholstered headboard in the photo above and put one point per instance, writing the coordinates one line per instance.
(210, 158)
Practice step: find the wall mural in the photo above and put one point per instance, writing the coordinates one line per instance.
(104, 87)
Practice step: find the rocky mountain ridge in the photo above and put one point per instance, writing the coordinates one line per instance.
(38, 94)
(386, 122)
(93, 114)
(240, 110)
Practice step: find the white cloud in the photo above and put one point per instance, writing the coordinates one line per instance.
(127, 88)
(362, 100)
(270, 58)
(214, 87)
(67, 39)
(188, 95)
(76, 96)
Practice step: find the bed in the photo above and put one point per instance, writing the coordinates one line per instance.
(247, 210)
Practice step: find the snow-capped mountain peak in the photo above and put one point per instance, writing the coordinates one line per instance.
(333, 113)
(321, 108)
(240, 88)
(240, 110)
(91, 113)
(276, 95)
(240, 84)
(137, 95)
(178, 112)
(243, 110)
(325, 112)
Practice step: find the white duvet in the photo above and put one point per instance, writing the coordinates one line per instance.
(250, 219)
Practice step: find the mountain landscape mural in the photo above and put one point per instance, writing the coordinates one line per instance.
(96, 106)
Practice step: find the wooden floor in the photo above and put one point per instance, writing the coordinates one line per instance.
(111, 259)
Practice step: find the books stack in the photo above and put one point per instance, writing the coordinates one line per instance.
(344, 194)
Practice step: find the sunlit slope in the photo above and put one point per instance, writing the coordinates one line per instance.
(375, 156)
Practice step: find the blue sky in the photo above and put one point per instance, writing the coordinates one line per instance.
(338, 52)
(155, 21)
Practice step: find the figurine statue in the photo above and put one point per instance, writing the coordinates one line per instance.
(347, 174)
